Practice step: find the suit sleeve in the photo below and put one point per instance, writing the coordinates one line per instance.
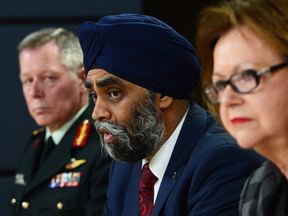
(219, 179)
(107, 211)
(99, 185)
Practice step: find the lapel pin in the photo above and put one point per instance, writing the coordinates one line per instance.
(174, 175)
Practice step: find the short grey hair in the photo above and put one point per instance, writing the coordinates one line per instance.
(71, 52)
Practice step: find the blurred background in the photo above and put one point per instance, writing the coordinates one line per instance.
(19, 18)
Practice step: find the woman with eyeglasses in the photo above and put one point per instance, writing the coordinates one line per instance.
(243, 45)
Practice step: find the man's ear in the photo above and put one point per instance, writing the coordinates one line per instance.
(165, 101)
(81, 76)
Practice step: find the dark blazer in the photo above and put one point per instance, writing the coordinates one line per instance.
(32, 195)
(210, 172)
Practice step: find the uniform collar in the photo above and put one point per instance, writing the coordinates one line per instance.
(60, 132)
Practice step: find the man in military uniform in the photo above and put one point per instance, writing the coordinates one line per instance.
(61, 171)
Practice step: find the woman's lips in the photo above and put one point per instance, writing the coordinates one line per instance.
(108, 138)
(238, 120)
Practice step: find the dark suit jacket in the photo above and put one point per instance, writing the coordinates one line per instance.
(32, 195)
(210, 172)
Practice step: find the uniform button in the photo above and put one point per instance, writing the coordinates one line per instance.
(13, 201)
(59, 205)
(25, 205)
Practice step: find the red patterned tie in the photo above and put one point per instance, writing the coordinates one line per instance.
(146, 192)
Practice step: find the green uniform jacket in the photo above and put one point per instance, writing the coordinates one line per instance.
(72, 181)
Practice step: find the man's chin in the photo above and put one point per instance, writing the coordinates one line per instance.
(111, 152)
(126, 161)
(42, 121)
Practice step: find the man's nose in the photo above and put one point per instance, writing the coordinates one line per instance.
(36, 89)
(101, 111)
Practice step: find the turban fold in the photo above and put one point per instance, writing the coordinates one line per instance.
(142, 50)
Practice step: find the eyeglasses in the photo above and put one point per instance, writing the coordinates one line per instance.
(241, 82)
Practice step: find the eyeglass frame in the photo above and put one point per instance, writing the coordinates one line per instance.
(256, 74)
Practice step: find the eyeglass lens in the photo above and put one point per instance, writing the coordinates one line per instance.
(244, 81)
(241, 82)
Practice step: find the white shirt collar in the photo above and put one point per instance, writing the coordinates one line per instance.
(60, 132)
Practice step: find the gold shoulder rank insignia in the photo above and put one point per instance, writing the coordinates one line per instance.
(82, 134)
(38, 131)
(75, 163)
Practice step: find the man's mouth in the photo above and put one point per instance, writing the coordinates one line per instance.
(107, 138)
(39, 110)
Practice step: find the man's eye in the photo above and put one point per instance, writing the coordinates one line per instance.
(28, 81)
(93, 95)
(49, 78)
(114, 94)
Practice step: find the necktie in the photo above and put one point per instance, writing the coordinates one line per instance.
(49, 146)
(146, 192)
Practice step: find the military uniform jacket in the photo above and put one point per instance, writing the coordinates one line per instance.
(72, 181)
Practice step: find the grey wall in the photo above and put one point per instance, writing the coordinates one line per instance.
(17, 19)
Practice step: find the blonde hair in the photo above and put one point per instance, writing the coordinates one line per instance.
(71, 52)
(268, 19)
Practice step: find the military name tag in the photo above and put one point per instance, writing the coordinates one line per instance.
(69, 179)
(19, 179)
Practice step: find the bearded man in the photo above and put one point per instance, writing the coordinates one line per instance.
(170, 157)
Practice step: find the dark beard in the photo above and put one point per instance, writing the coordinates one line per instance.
(139, 136)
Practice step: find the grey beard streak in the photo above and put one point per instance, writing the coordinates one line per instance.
(138, 137)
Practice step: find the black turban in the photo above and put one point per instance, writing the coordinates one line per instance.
(142, 50)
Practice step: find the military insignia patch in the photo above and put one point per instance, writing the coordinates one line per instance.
(69, 179)
(19, 179)
(75, 163)
(36, 143)
(38, 131)
(82, 134)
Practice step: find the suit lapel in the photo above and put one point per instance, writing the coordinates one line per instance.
(132, 197)
(33, 157)
(196, 122)
(55, 162)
